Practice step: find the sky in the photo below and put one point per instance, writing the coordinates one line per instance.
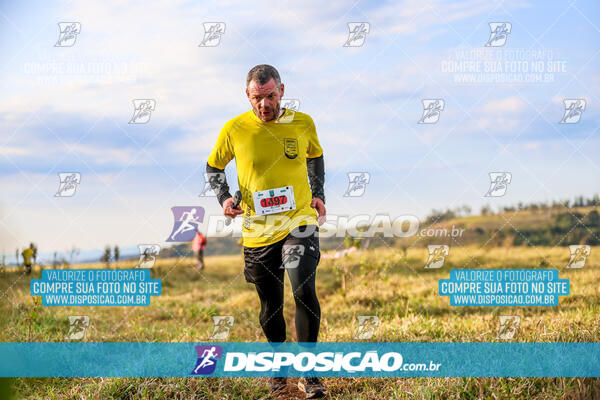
(66, 109)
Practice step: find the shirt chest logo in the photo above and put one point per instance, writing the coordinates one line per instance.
(290, 148)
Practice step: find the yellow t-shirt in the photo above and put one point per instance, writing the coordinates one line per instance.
(270, 155)
(27, 256)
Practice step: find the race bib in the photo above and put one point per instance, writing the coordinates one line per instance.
(273, 201)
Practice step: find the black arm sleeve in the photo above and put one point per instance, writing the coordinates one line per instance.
(316, 176)
(218, 183)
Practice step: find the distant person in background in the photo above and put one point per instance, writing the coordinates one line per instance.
(198, 245)
(27, 254)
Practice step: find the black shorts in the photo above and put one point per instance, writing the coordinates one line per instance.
(266, 263)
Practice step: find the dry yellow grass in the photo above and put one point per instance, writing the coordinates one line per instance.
(383, 282)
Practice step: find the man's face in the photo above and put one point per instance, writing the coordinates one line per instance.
(265, 99)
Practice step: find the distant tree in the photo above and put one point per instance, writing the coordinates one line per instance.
(105, 258)
(441, 215)
(563, 222)
(72, 253)
(116, 254)
(55, 260)
(486, 210)
(351, 241)
(17, 257)
(592, 219)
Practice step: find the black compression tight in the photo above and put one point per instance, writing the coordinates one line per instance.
(308, 311)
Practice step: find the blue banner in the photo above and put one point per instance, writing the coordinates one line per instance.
(361, 359)
(504, 287)
(95, 287)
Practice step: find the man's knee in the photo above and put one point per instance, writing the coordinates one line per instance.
(305, 294)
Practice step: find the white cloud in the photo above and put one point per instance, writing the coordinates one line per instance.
(511, 105)
(15, 150)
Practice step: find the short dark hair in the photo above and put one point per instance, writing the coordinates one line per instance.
(262, 74)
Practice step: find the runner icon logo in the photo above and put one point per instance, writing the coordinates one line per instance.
(69, 181)
(574, 108)
(292, 255)
(579, 254)
(148, 254)
(508, 326)
(212, 34)
(77, 327)
(207, 359)
(68, 34)
(185, 224)
(142, 110)
(357, 34)
(212, 179)
(499, 32)
(223, 324)
(437, 255)
(367, 325)
(357, 183)
(432, 109)
(499, 182)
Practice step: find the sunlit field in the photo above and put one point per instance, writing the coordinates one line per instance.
(389, 283)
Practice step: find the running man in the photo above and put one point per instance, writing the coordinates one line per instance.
(198, 245)
(27, 255)
(274, 150)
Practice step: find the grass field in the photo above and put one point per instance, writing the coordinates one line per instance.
(385, 282)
